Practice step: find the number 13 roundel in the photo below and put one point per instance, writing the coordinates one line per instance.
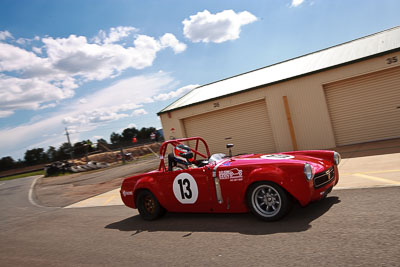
(185, 188)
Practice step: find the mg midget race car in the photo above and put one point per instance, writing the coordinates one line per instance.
(265, 184)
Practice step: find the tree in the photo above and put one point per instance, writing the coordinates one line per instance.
(89, 144)
(38, 155)
(79, 149)
(64, 151)
(145, 133)
(7, 163)
(51, 153)
(101, 143)
(129, 133)
(115, 138)
(35, 156)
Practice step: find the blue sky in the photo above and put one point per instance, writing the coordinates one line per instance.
(101, 66)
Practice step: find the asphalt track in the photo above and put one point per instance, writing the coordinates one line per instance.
(357, 225)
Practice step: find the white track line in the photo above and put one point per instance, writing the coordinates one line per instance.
(30, 196)
(365, 187)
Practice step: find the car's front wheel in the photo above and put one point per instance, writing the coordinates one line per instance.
(268, 201)
(148, 206)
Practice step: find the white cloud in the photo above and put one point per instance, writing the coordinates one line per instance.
(97, 137)
(115, 35)
(4, 35)
(220, 27)
(76, 57)
(13, 58)
(115, 102)
(73, 120)
(20, 138)
(124, 99)
(139, 112)
(118, 33)
(132, 125)
(181, 91)
(94, 116)
(23, 41)
(97, 116)
(129, 93)
(169, 40)
(120, 100)
(296, 3)
(29, 91)
(51, 105)
(16, 93)
(70, 62)
(5, 113)
(125, 107)
(37, 50)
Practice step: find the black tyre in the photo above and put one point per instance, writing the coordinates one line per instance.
(268, 201)
(148, 206)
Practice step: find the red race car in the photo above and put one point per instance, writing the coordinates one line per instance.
(195, 181)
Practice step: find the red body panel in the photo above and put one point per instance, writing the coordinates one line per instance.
(196, 190)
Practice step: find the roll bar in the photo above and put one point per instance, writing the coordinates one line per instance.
(175, 142)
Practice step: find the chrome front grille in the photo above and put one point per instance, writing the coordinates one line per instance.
(322, 178)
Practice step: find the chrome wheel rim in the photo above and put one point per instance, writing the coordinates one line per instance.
(266, 200)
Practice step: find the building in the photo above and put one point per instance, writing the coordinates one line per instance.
(342, 95)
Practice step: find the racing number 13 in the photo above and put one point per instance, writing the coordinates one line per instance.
(184, 186)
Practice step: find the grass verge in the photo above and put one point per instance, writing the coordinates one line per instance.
(41, 172)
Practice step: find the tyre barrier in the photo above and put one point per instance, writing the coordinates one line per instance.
(62, 167)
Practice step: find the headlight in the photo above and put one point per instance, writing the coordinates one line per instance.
(308, 171)
(336, 158)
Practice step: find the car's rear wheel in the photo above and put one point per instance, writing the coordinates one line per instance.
(148, 206)
(268, 201)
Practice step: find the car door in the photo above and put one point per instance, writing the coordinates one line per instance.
(231, 186)
(187, 190)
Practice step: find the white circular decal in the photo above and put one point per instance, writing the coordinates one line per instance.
(277, 156)
(185, 188)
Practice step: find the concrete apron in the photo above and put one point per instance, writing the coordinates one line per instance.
(367, 165)
(375, 164)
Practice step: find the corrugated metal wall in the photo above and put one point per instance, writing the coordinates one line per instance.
(365, 108)
(247, 126)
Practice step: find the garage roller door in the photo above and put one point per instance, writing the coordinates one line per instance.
(365, 108)
(246, 126)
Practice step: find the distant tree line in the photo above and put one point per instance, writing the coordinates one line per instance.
(37, 156)
(127, 135)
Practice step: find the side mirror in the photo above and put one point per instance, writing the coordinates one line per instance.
(229, 146)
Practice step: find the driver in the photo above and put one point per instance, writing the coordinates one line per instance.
(181, 158)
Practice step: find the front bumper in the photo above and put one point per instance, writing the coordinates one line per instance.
(323, 183)
(323, 178)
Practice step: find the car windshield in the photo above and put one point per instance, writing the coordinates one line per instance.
(216, 157)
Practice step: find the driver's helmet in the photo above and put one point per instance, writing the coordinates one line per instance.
(183, 154)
